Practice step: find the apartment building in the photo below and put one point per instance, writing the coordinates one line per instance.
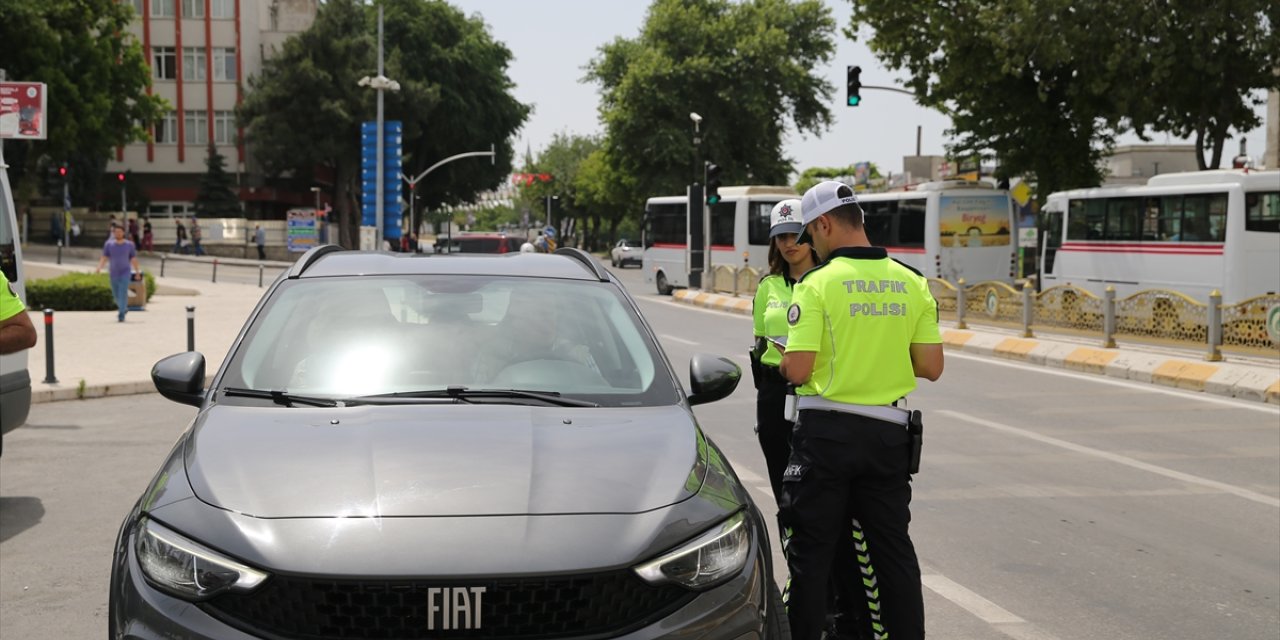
(201, 54)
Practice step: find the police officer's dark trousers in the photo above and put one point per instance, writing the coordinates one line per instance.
(772, 427)
(843, 466)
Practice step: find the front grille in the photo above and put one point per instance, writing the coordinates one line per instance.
(528, 608)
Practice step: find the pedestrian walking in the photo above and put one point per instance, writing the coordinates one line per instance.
(852, 446)
(147, 236)
(122, 257)
(260, 239)
(180, 233)
(133, 232)
(197, 234)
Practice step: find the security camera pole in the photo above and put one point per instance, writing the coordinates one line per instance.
(694, 252)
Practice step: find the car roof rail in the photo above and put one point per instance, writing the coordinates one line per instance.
(595, 268)
(311, 257)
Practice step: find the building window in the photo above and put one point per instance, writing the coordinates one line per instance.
(224, 127)
(192, 8)
(164, 62)
(193, 60)
(197, 127)
(166, 129)
(161, 8)
(222, 8)
(224, 64)
(137, 7)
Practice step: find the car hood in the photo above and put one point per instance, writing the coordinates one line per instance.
(442, 460)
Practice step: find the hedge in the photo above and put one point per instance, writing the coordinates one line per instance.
(77, 292)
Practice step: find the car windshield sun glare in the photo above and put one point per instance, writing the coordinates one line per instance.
(706, 561)
(186, 568)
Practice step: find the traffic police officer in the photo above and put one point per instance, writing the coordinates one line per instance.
(16, 331)
(862, 328)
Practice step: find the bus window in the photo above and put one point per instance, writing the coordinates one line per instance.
(1077, 226)
(877, 220)
(758, 222)
(668, 224)
(1151, 219)
(911, 223)
(722, 214)
(1170, 217)
(1262, 212)
(1204, 217)
(1124, 219)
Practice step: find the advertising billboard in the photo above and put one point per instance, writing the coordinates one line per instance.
(23, 106)
(974, 221)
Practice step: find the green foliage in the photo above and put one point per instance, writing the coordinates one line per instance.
(77, 292)
(814, 175)
(216, 198)
(748, 68)
(495, 217)
(305, 108)
(96, 75)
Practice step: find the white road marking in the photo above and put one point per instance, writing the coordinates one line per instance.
(1124, 460)
(675, 339)
(986, 610)
(1143, 386)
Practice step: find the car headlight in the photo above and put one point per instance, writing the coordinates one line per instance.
(706, 561)
(187, 569)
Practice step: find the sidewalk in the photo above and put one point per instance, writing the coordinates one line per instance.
(1245, 378)
(94, 355)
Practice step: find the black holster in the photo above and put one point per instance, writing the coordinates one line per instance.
(915, 429)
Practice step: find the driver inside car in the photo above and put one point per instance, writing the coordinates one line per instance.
(536, 326)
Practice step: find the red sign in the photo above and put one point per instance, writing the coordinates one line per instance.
(23, 107)
(528, 178)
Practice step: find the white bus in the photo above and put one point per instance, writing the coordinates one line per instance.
(15, 381)
(949, 230)
(739, 224)
(1187, 232)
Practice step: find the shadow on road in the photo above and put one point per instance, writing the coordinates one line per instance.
(18, 515)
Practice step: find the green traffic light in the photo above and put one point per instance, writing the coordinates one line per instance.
(854, 100)
(715, 199)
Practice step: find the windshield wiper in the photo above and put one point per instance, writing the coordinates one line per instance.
(284, 397)
(464, 394)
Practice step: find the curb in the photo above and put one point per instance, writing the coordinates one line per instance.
(1246, 383)
(61, 392)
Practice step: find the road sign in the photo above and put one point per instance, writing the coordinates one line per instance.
(301, 228)
(392, 136)
(23, 106)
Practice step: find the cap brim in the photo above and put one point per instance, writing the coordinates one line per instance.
(785, 227)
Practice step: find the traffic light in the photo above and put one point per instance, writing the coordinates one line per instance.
(853, 80)
(120, 177)
(713, 171)
(62, 171)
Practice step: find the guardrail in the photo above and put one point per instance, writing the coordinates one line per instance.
(1154, 315)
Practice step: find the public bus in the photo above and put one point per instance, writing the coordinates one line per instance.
(949, 230)
(739, 225)
(1188, 232)
(15, 381)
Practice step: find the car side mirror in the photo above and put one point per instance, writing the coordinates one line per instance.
(180, 378)
(712, 378)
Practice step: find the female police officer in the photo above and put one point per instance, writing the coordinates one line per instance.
(863, 327)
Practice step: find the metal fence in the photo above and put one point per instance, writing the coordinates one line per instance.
(1155, 315)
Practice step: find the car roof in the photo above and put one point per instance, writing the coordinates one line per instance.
(335, 262)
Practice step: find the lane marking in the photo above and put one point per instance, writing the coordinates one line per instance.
(675, 339)
(1141, 386)
(986, 610)
(1124, 460)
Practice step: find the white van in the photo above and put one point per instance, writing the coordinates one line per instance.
(15, 380)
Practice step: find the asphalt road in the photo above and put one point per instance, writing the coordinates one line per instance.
(1050, 506)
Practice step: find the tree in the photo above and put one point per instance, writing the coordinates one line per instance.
(304, 110)
(1208, 62)
(216, 198)
(814, 175)
(97, 79)
(562, 159)
(747, 68)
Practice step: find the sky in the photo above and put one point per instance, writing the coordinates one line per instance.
(552, 41)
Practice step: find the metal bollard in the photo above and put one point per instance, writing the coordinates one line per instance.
(59, 252)
(215, 269)
(191, 327)
(259, 275)
(1215, 327)
(960, 304)
(162, 259)
(49, 378)
(1028, 309)
(1109, 318)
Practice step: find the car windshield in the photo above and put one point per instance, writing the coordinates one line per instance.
(350, 337)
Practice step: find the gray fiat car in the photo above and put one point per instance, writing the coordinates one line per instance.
(443, 447)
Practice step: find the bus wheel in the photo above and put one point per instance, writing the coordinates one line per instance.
(664, 289)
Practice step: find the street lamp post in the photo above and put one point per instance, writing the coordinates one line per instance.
(380, 84)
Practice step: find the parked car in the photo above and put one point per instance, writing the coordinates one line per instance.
(626, 252)
(489, 447)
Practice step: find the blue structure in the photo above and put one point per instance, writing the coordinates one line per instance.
(393, 133)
